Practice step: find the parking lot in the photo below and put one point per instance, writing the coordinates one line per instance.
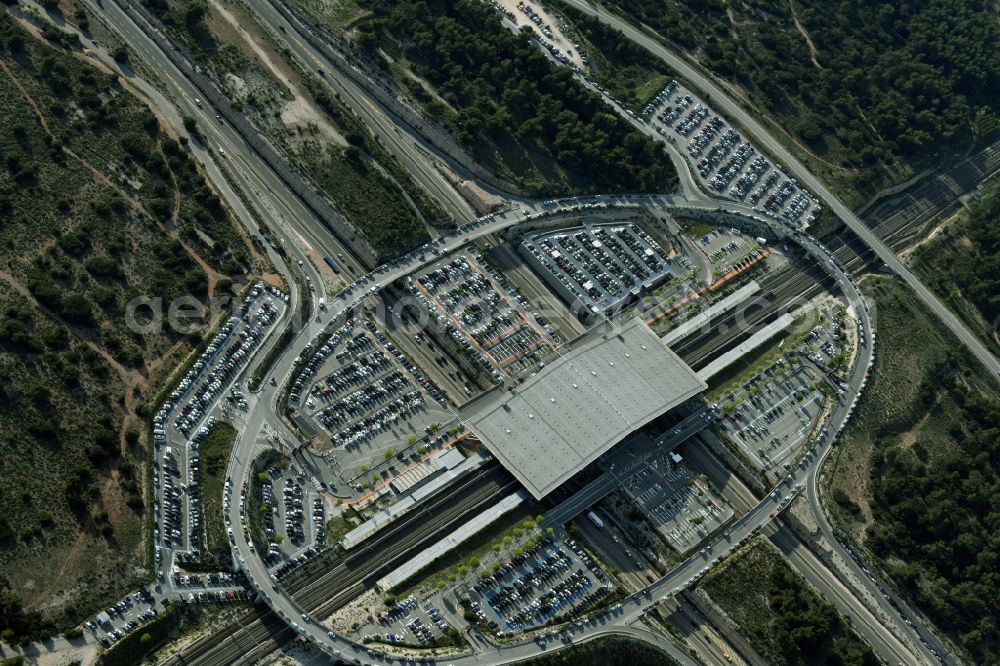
(367, 396)
(132, 612)
(124, 617)
(221, 361)
(600, 265)
(407, 622)
(680, 506)
(185, 418)
(296, 518)
(549, 580)
(724, 160)
(729, 249)
(770, 415)
(484, 314)
(774, 416)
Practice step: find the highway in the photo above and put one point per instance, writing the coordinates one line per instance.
(885, 631)
(274, 206)
(414, 153)
(287, 212)
(721, 99)
(686, 573)
(295, 221)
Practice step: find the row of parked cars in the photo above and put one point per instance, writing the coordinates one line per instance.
(365, 400)
(319, 521)
(222, 357)
(397, 610)
(273, 554)
(318, 358)
(426, 385)
(542, 585)
(294, 516)
(295, 562)
(169, 523)
(370, 424)
(485, 316)
(725, 160)
(351, 375)
(228, 363)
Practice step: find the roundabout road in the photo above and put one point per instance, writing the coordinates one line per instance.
(683, 575)
(281, 210)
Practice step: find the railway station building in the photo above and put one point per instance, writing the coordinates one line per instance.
(604, 386)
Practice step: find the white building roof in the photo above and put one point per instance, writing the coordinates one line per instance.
(605, 386)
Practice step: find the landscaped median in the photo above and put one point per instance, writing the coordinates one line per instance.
(480, 555)
(214, 454)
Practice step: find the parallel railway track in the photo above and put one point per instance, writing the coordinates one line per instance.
(800, 283)
(324, 586)
(331, 583)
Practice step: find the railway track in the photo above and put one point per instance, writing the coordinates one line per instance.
(793, 283)
(337, 579)
(325, 585)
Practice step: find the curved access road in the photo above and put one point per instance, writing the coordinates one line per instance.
(258, 178)
(721, 99)
(683, 575)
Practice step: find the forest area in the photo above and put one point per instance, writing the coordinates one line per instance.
(98, 205)
(787, 622)
(517, 111)
(610, 651)
(867, 88)
(917, 475)
(962, 264)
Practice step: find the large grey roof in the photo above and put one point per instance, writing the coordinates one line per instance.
(602, 388)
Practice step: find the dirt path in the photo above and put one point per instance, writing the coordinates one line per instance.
(299, 109)
(127, 376)
(45, 126)
(213, 275)
(72, 554)
(805, 35)
(171, 225)
(731, 15)
(132, 380)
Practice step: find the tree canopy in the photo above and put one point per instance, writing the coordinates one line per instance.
(508, 98)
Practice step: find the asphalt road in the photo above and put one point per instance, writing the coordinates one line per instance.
(681, 576)
(284, 212)
(721, 99)
(870, 627)
(414, 154)
(251, 172)
(883, 631)
(275, 206)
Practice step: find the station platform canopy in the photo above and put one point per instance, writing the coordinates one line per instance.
(605, 385)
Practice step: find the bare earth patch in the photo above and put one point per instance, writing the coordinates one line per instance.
(560, 40)
(298, 110)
